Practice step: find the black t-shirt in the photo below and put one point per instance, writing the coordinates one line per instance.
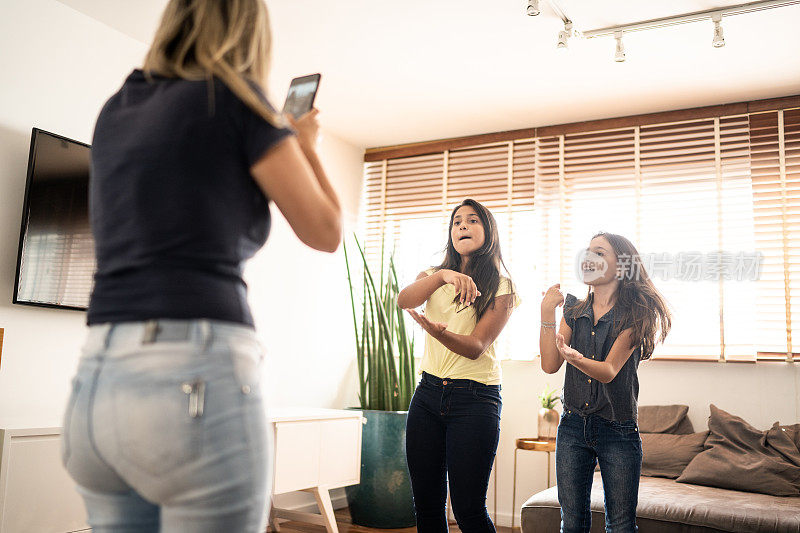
(174, 210)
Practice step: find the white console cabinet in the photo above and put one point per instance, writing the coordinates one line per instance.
(315, 450)
(36, 493)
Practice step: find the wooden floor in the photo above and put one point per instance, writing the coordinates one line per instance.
(345, 526)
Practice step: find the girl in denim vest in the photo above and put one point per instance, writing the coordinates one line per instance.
(602, 338)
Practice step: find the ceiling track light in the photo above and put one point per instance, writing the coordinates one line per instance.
(686, 18)
(719, 39)
(714, 14)
(564, 35)
(568, 31)
(619, 54)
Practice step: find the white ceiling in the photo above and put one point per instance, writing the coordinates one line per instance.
(414, 70)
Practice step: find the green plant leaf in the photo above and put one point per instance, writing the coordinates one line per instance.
(386, 369)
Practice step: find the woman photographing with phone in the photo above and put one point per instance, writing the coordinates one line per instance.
(165, 429)
(454, 417)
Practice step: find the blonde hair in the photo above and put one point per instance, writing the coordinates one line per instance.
(227, 39)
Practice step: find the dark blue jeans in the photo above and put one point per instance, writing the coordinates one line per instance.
(451, 434)
(582, 443)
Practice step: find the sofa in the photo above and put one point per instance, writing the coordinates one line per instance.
(731, 478)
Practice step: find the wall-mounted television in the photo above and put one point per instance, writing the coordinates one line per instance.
(56, 261)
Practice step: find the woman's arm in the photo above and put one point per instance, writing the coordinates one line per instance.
(551, 358)
(418, 292)
(486, 330)
(602, 371)
(291, 175)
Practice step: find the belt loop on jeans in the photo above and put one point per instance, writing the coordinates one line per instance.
(150, 332)
(106, 333)
(204, 329)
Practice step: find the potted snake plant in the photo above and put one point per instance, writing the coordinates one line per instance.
(386, 380)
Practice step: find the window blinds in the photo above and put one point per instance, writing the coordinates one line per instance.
(701, 199)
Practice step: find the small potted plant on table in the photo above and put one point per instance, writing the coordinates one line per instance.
(548, 416)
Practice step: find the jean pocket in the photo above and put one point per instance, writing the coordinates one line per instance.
(159, 424)
(247, 357)
(487, 396)
(67, 421)
(624, 428)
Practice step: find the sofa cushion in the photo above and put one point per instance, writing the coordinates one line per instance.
(666, 455)
(793, 433)
(667, 419)
(667, 506)
(664, 419)
(740, 457)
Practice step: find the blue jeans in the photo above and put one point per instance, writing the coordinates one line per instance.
(451, 434)
(165, 429)
(582, 443)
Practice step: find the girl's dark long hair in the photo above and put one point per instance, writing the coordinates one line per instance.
(639, 303)
(484, 263)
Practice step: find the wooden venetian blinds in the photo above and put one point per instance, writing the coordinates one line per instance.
(710, 199)
(775, 174)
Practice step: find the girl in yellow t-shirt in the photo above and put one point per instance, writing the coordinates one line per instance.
(454, 417)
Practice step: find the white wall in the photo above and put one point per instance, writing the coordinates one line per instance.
(56, 70)
(298, 299)
(300, 304)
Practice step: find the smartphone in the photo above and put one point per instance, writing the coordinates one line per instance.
(300, 98)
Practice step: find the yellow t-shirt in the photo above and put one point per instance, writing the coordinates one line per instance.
(443, 363)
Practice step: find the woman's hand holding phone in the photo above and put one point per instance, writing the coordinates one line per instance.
(307, 128)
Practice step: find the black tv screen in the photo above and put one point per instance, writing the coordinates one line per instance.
(56, 262)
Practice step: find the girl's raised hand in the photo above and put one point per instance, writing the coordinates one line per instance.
(552, 298)
(463, 285)
(434, 328)
(571, 355)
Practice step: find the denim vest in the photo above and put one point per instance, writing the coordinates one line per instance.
(615, 401)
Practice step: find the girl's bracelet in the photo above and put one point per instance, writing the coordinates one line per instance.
(549, 325)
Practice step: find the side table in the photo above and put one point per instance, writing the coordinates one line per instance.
(536, 445)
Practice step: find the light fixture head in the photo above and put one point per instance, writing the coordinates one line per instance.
(719, 39)
(564, 35)
(533, 8)
(619, 54)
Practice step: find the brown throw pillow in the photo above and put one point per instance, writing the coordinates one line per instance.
(665, 419)
(793, 432)
(738, 456)
(666, 455)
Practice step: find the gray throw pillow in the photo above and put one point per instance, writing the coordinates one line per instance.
(665, 419)
(666, 455)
